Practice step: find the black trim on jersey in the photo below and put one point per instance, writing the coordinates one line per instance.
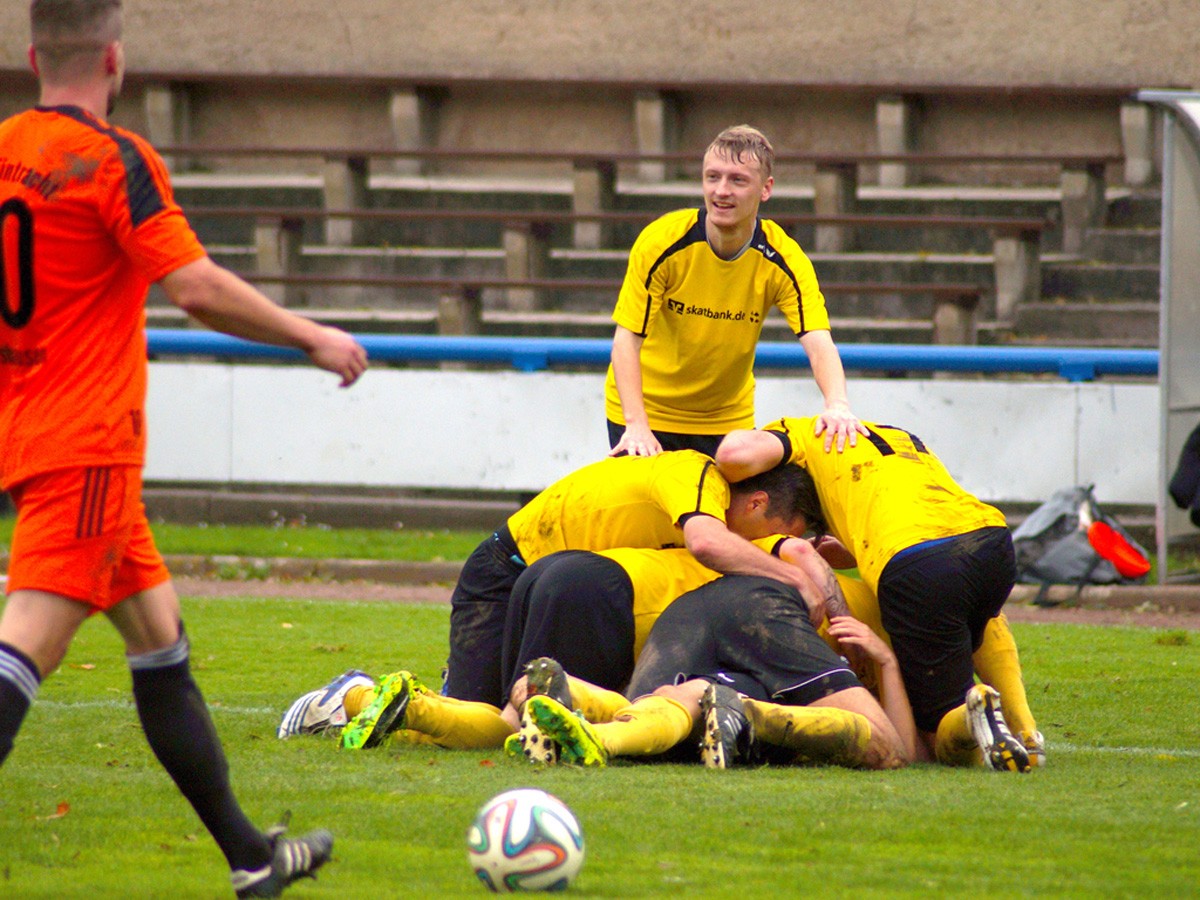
(708, 464)
(760, 243)
(786, 440)
(143, 195)
(881, 444)
(693, 235)
(918, 444)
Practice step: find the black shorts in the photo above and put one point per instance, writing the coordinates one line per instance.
(478, 608)
(935, 602)
(742, 627)
(671, 440)
(576, 607)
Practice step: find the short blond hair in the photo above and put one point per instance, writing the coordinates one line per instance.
(738, 141)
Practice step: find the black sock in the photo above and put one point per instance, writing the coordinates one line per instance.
(181, 734)
(19, 681)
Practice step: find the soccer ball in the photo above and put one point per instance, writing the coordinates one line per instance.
(525, 840)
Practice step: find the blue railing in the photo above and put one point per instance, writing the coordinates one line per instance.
(533, 354)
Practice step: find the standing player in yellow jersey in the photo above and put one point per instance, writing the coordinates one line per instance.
(940, 561)
(674, 499)
(699, 284)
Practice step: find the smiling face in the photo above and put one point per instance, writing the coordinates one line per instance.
(733, 190)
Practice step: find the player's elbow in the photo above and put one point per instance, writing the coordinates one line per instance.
(195, 287)
(736, 456)
(705, 538)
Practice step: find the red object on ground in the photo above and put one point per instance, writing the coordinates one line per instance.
(1126, 558)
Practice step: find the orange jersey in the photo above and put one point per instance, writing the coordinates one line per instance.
(87, 222)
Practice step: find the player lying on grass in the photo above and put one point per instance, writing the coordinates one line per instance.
(939, 560)
(672, 500)
(737, 635)
(734, 648)
(615, 595)
(402, 706)
(767, 636)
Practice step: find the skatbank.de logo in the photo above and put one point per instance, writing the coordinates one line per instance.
(725, 315)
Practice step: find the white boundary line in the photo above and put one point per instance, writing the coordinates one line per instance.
(1065, 747)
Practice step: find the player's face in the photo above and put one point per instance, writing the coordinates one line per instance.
(750, 520)
(733, 190)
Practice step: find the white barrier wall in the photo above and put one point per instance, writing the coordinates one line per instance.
(1006, 441)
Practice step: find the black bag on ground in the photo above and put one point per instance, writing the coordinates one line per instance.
(1053, 547)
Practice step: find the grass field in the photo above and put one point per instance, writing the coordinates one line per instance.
(86, 812)
(307, 542)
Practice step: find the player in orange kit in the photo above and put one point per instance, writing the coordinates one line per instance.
(87, 222)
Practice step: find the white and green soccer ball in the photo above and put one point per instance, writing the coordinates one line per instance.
(525, 840)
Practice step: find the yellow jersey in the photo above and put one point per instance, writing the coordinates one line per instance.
(660, 577)
(621, 501)
(701, 317)
(887, 493)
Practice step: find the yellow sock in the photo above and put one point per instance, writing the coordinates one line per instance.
(456, 724)
(357, 699)
(998, 664)
(954, 745)
(818, 734)
(649, 726)
(404, 736)
(597, 704)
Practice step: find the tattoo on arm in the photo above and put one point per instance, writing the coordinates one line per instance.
(835, 600)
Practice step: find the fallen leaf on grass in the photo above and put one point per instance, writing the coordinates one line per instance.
(486, 763)
(63, 808)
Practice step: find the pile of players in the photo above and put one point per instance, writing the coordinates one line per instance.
(680, 595)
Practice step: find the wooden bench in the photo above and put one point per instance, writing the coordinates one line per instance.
(1015, 241)
(460, 300)
(835, 184)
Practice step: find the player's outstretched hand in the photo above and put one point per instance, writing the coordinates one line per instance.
(838, 423)
(638, 440)
(850, 632)
(338, 352)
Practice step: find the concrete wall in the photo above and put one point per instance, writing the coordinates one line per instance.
(1021, 42)
(513, 74)
(1006, 441)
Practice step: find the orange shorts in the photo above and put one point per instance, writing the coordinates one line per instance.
(82, 533)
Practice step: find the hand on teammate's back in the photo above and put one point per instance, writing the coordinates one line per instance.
(839, 424)
(637, 441)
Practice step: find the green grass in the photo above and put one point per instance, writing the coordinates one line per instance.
(1116, 813)
(306, 541)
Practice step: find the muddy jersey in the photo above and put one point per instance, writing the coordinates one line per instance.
(885, 494)
(87, 222)
(622, 501)
(659, 577)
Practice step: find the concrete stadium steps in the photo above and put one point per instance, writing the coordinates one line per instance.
(1107, 295)
(1136, 209)
(1134, 246)
(1092, 279)
(1109, 323)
